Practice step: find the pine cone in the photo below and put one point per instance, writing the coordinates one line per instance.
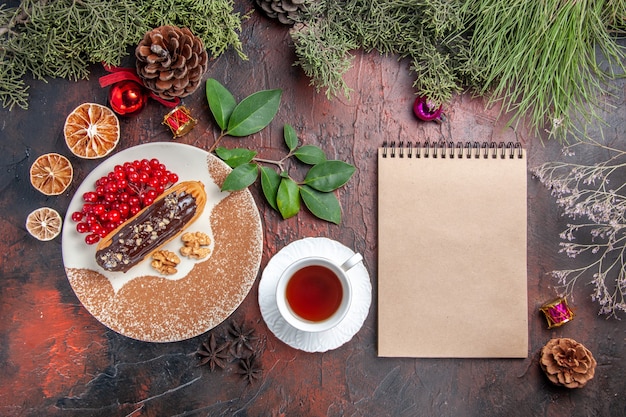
(171, 61)
(567, 363)
(286, 11)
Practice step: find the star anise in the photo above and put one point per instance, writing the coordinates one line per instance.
(243, 339)
(213, 354)
(249, 369)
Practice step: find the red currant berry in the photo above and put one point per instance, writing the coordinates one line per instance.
(133, 176)
(82, 227)
(95, 228)
(98, 209)
(173, 178)
(111, 187)
(154, 182)
(90, 197)
(114, 216)
(134, 201)
(109, 226)
(77, 216)
(143, 177)
(124, 196)
(124, 209)
(92, 239)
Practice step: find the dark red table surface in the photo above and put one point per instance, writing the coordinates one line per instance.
(57, 360)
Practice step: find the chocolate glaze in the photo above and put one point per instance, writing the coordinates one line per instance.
(146, 232)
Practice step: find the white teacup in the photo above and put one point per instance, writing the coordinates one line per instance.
(314, 293)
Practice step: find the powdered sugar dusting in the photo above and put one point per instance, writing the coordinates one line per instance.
(152, 308)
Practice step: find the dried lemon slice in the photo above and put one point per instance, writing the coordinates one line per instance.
(51, 173)
(44, 223)
(91, 131)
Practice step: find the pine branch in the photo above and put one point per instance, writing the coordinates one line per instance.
(426, 32)
(62, 38)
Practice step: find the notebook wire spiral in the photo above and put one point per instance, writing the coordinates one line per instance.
(443, 149)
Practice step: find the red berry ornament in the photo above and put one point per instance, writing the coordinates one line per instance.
(127, 97)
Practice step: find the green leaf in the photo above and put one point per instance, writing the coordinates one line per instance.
(241, 177)
(221, 102)
(310, 154)
(329, 175)
(291, 138)
(323, 205)
(288, 198)
(235, 157)
(270, 180)
(254, 113)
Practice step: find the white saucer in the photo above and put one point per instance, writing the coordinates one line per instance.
(318, 341)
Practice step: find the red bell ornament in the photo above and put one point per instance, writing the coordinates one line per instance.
(127, 97)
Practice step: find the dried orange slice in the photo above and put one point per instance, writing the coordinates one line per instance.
(44, 223)
(51, 173)
(91, 131)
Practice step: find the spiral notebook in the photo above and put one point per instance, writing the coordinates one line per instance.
(452, 250)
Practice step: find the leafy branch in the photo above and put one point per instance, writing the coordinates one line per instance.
(282, 192)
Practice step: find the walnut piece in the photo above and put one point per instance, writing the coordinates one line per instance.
(165, 262)
(195, 245)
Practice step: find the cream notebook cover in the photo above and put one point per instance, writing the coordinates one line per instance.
(452, 251)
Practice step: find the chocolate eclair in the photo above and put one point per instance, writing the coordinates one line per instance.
(152, 227)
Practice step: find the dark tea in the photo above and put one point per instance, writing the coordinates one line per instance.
(314, 293)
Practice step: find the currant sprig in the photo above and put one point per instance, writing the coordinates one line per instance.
(119, 195)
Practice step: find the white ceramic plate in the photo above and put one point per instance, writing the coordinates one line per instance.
(145, 305)
(317, 341)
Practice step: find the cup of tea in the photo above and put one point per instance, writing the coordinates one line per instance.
(314, 293)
